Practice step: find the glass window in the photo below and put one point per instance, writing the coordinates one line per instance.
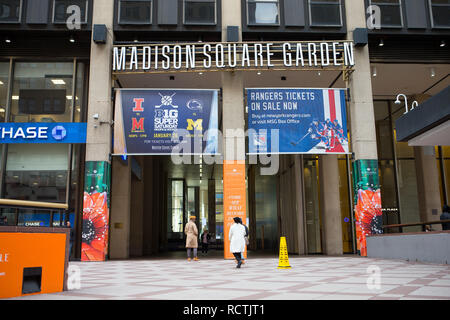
(219, 210)
(75, 178)
(397, 164)
(440, 13)
(200, 12)
(407, 179)
(61, 11)
(36, 172)
(176, 217)
(386, 165)
(325, 13)
(10, 11)
(263, 12)
(79, 92)
(42, 92)
(4, 74)
(346, 219)
(135, 12)
(8, 216)
(391, 13)
(446, 165)
(266, 211)
(312, 210)
(191, 205)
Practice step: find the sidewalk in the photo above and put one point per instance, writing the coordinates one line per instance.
(213, 278)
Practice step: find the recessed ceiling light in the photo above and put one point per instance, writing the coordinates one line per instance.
(433, 72)
(69, 97)
(58, 81)
(443, 44)
(381, 44)
(1, 83)
(15, 97)
(72, 39)
(8, 40)
(258, 73)
(2, 110)
(374, 71)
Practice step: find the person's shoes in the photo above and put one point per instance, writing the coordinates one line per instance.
(189, 259)
(239, 264)
(196, 259)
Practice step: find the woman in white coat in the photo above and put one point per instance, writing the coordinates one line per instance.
(237, 240)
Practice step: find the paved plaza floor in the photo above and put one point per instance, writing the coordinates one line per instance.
(213, 278)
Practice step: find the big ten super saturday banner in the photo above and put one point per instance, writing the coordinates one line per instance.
(297, 121)
(156, 122)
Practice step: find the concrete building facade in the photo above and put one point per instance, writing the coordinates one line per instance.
(124, 206)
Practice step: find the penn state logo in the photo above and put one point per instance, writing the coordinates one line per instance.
(59, 133)
(195, 105)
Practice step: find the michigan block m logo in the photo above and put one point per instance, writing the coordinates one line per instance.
(195, 125)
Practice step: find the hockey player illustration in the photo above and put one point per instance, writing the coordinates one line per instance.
(339, 132)
(325, 133)
(315, 131)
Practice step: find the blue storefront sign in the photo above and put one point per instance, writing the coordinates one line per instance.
(297, 121)
(15, 133)
(163, 121)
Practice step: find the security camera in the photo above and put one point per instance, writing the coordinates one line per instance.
(96, 116)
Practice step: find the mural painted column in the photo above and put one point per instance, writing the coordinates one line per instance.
(367, 196)
(367, 202)
(96, 206)
(95, 231)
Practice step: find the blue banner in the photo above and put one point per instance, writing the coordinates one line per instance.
(12, 133)
(297, 121)
(157, 121)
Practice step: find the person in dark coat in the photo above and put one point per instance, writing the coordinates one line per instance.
(205, 238)
(445, 216)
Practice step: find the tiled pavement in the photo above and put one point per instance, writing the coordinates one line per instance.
(213, 278)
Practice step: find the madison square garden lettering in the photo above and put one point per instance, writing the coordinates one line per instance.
(234, 56)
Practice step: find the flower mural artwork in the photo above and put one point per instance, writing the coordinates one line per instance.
(95, 231)
(368, 214)
(95, 227)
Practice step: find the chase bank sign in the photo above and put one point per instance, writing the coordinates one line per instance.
(71, 133)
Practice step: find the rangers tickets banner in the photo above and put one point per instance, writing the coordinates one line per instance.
(162, 121)
(298, 121)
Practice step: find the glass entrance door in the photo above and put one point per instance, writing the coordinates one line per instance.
(312, 209)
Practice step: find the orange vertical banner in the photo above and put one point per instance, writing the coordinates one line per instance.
(234, 199)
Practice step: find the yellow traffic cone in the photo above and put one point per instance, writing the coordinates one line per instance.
(284, 259)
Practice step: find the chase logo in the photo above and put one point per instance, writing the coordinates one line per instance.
(59, 133)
